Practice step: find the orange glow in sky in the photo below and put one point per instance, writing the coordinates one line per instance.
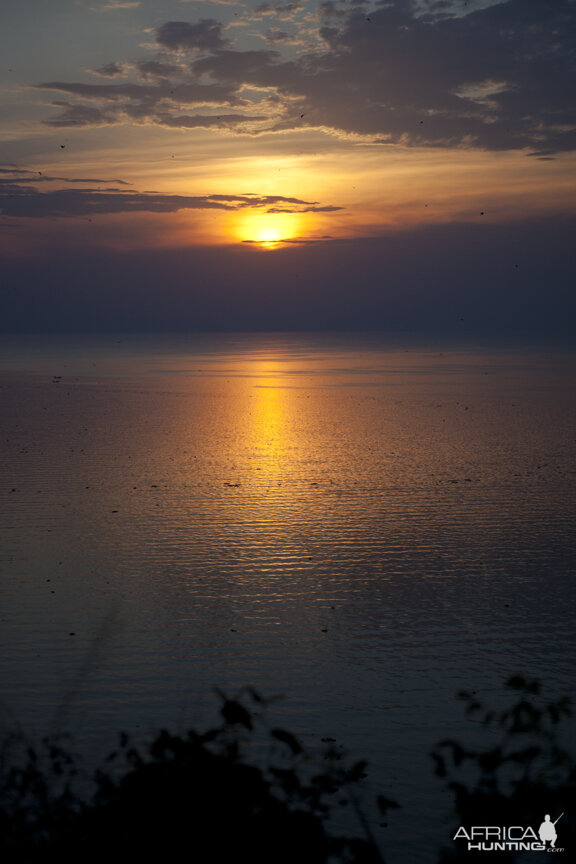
(268, 230)
(371, 153)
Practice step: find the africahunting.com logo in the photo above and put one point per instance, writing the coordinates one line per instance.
(512, 838)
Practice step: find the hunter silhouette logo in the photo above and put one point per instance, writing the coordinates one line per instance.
(511, 838)
(547, 831)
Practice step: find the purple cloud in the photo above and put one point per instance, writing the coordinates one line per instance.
(206, 35)
(19, 199)
(497, 78)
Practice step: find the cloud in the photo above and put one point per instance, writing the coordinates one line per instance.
(158, 101)
(284, 11)
(152, 69)
(498, 78)
(332, 9)
(206, 35)
(327, 208)
(110, 70)
(216, 2)
(81, 115)
(274, 34)
(19, 200)
(14, 176)
(112, 5)
(277, 36)
(209, 121)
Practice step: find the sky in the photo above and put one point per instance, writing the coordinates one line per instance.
(405, 165)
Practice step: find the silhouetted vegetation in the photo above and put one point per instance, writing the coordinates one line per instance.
(524, 768)
(247, 790)
(202, 794)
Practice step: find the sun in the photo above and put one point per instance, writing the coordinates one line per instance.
(269, 236)
(268, 230)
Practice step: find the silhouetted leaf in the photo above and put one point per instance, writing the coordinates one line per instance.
(235, 714)
(287, 738)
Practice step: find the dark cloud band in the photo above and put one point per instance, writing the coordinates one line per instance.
(19, 199)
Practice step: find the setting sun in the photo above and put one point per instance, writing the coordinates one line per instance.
(268, 230)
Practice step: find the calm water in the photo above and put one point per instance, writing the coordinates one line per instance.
(358, 526)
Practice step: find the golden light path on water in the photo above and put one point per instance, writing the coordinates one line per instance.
(362, 530)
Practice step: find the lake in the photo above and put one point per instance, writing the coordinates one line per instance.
(363, 525)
